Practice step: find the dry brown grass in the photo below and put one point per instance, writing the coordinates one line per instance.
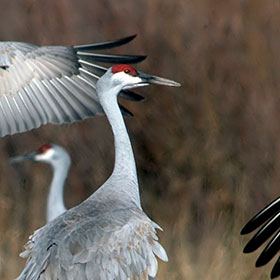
(208, 153)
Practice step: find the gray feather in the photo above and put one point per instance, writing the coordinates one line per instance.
(49, 79)
(105, 244)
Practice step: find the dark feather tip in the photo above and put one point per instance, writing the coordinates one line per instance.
(131, 96)
(125, 112)
(105, 45)
(276, 270)
(262, 216)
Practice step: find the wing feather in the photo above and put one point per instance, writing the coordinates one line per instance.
(17, 113)
(22, 107)
(9, 114)
(3, 121)
(51, 105)
(31, 90)
(268, 219)
(74, 115)
(33, 110)
(61, 103)
(30, 75)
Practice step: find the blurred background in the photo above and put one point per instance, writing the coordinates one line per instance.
(208, 153)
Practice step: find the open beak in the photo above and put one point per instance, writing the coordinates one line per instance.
(30, 156)
(151, 79)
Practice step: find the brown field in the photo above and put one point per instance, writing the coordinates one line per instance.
(208, 153)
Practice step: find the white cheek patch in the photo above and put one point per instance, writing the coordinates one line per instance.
(46, 155)
(126, 79)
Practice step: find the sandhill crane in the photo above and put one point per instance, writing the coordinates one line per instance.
(53, 84)
(107, 236)
(268, 220)
(60, 161)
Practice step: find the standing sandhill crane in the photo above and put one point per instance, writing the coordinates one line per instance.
(268, 220)
(60, 161)
(107, 236)
(53, 84)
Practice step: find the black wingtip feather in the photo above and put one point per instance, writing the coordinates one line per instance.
(275, 270)
(270, 217)
(131, 96)
(106, 45)
(249, 248)
(263, 234)
(251, 226)
(254, 223)
(111, 58)
(245, 230)
(271, 249)
(262, 216)
(275, 275)
(125, 112)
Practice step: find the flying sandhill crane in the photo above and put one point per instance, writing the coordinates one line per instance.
(53, 84)
(107, 236)
(268, 220)
(60, 161)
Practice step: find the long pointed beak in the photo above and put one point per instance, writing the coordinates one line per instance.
(151, 79)
(30, 156)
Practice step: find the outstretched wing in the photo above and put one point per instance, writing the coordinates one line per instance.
(121, 245)
(52, 84)
(269, 221)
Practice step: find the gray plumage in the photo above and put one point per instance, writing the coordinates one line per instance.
(108, 236)
(94, 242)
(52, 84)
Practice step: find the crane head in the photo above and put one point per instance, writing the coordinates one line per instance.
(49, 153)
(124, 76)
(44, 152)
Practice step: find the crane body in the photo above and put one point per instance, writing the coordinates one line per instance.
(107, 236)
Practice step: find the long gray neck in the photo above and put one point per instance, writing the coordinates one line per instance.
(123, 181)
(55, 203)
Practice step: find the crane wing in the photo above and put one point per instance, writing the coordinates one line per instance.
(52, 84)
(268, 220)
(121, 244)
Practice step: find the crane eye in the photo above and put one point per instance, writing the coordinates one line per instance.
(126, 70)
